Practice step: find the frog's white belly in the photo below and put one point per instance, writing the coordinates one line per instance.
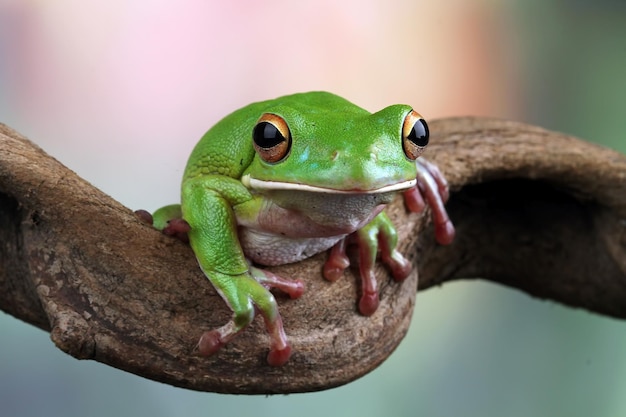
(293, 225)
(270, 249)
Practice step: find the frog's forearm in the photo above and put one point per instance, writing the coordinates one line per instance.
(213, 234)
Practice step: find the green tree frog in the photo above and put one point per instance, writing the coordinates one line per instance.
(281, 180)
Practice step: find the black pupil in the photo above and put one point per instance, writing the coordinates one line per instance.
(419, 133)
(266, 135)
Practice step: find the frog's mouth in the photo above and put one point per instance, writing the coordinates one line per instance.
(257, 184)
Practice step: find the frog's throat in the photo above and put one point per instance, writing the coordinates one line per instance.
(256, 184)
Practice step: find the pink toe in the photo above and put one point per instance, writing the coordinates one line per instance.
(368, 303)
(278, 357)
(210, 342)
(297, 290)
(332, 273)
(444, 233)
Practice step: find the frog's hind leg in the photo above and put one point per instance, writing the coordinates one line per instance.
(243, 293)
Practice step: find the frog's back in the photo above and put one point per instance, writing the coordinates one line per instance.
(226, 148)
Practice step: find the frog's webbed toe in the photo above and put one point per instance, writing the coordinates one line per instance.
(378, 236)
(213, 340)
(245, 294)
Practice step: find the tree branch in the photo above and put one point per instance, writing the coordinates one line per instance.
(535, 210)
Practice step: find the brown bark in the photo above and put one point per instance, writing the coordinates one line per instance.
(535, 210)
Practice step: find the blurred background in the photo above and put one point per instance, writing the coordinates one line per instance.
(120, 91)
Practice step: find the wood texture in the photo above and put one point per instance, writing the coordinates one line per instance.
(535, 210)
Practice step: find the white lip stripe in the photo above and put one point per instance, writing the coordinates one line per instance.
(271, 185)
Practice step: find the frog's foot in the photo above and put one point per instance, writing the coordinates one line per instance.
(378, 234)
(431, 188)
(338, 261)
(244, 293)
(280, 351)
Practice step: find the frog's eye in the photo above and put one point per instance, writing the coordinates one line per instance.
(414, 135)
(272, 139)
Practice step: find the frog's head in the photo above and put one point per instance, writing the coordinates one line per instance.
(323, 143)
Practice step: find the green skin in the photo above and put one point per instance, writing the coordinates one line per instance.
(241, 209)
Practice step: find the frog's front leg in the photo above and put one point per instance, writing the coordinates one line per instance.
(242, 293)
(377, 234)
(207, 208)
(431, 189)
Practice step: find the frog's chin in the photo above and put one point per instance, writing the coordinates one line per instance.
(257, 184)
